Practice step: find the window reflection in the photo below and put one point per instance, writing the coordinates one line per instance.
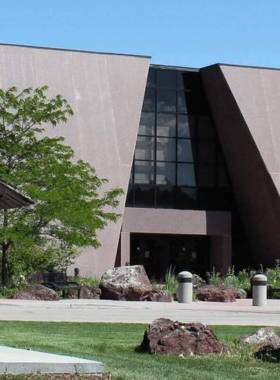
(178, 161)
(186, 175)
(147, 124)
(144, 172)
(166, 125)
(166, 101)
(151, 81)
(145, 148)
(185, 151)
(144, 196)
(166, 149)
(166, 196)
(165, 174)
(149, 100)
(186, 197)
(186, 126)
(166, 79)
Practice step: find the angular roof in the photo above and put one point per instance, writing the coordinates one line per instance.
(12, 198)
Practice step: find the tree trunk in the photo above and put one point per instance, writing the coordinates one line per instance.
(4, 265)
(5, 247)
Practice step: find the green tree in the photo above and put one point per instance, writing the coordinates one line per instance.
(69, 206)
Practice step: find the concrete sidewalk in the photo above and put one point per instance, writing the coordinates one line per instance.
(237, 313)
(16, 361)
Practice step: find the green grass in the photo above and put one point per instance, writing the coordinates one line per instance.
(114, 345)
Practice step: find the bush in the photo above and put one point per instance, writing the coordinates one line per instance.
(170, 281)
(91, 281)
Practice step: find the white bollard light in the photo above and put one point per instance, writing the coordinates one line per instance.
(259, 290)
(185, 292)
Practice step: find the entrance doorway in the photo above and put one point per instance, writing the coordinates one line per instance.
(157, 253)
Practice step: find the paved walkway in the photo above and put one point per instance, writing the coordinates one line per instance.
(15, 361)
(237, 313)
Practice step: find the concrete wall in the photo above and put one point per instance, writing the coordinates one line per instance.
(216, 224)
(245, 107)
(106, 93)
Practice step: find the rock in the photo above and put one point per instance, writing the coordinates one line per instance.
(197, 281)
(270, 352)
(36, 292)
(159, 295)
(212, 293)
(165, 336)
(240, 294)
(128, 283)
(87, 292)
(263, 336)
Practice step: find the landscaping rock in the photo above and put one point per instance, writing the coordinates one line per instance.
(165, 336)
(36, 292)
(197, 281)
(238, 293)
(87, 292)
(270, 352)
(212, 293)
(159, 295)
(263, 336)
(128, 283)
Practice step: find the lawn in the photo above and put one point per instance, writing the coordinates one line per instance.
(114, 345)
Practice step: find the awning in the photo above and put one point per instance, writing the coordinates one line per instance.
(12, 198)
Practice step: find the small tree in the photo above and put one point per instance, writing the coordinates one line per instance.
(69, 209)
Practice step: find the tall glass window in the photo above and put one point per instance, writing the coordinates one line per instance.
(178, 162)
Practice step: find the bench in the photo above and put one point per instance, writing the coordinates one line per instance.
(58, 281)
(271, 290)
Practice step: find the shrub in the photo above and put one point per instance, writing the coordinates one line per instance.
(171, 281)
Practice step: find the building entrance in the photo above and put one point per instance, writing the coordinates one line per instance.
(159, 252)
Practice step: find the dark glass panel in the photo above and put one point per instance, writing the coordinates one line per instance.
(129, 197)
(186, 126)
(207, 152)
(149, 100)
(207, 198)
(147, 124)
(185, 197)
(165, 174)
(185, 150)
(151, 81)
(206, 175)
(145, 148)
(205, 128)
(187, 102)
(182, 102)
(204, 108)
(143, 172)
(165, 196)
(186, 175)
(220, 156)
(166, 79)
(187, 80)
(223, 177)
(144, 196)
(166, 101)
(166, 149)
(166, 125)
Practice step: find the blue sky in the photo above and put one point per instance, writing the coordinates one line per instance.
(189, 33)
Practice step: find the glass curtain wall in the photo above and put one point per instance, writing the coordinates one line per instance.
(178, 161)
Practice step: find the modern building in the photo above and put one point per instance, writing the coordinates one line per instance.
(197, 152)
